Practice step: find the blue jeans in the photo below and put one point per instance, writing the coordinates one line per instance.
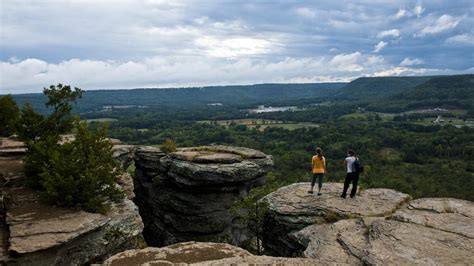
(320, 180)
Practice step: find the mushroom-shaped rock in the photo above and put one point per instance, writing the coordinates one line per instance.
(291, 208)
(189, 194)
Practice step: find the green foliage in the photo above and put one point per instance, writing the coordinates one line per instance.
(332, 217)
(60, 99)
(29, 124)
(81, 173)
(253, 209)
(8, 115)
(168, 146)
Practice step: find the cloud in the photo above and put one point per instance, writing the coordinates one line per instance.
(401, 13)
(234, 47)
(305, 12)
(126, 43)
(389, 33)
(379, 46)
(462, 39)
(410, 62)
(443, 23)
(416, 11)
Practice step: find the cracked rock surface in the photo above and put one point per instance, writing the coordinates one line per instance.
(291, 208)
(380, 227)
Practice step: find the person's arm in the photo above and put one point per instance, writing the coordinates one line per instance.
(324, 165)
(312, 163)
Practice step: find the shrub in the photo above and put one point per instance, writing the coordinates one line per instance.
(168, 146)
(81, 173)
(8, 115)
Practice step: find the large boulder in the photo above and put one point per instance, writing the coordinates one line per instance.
(189, 194)
(45, 235)
(198, 253)
(33, 233)
(291, 209)
(377, 227)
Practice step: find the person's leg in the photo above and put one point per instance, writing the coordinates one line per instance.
(355, 180)
(346, 184)
(320, 183)
(313, 181)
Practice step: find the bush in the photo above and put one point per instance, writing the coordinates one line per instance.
(81, 174)
(8, 115)
(168, 146)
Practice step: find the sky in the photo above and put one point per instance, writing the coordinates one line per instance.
(124, 44)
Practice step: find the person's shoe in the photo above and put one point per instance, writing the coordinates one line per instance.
(352, 197)
(319, 194)
(343, 196)
(310, 192)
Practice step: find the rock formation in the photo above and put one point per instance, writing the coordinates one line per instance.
(33, 233)
(377, 227)
(199, 253)
(189, 194)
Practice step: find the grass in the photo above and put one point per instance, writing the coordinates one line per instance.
(262, 124)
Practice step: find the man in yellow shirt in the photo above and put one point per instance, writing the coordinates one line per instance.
(318, 168)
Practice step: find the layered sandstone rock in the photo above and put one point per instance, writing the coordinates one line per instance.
(33, 233)
(199, 253)
(291, 208)
(189, 194)
(375, 228)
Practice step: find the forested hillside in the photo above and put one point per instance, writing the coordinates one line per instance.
(192, 97)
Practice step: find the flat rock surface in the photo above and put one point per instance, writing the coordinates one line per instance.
(188, 252)
(294, 200)
(451, 215)
(199, 253)
(376, 241)
(37, 235)
(206, 157)
(397, 243)
(245, 153)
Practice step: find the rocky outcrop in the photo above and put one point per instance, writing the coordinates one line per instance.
(377, 227)
(189, 194)
(291, 208)
(195, 253)
(124, 154)
(33, 233)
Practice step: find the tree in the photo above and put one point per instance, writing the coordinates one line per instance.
(8, 115)
(29, 124)
(60, 98)
(81, 173)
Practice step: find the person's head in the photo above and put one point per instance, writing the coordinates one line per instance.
(350, 152)
(319, 151)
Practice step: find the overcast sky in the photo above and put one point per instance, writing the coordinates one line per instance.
(129, 44)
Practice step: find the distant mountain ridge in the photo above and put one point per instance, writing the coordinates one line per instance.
(227, 95)
(369, 88)
(385, 94)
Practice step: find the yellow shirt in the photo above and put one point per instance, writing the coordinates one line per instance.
(319, 166)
